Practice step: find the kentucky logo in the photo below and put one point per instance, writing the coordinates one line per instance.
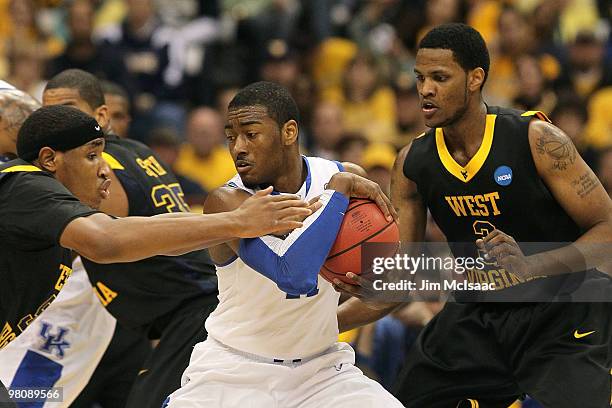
(55, 342)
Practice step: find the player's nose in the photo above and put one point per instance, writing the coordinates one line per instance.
(428, 88)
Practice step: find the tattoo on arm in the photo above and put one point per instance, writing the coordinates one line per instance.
(584, 184)
(557, 146)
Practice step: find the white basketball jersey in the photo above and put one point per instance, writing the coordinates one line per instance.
(255, 316)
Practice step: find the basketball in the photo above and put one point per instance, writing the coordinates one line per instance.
(363, 222)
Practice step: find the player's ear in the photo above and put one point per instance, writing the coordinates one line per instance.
(48, 159)
(475, 79)
(101, 116)
(289, 132)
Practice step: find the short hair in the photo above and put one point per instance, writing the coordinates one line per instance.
(468, 47)
(88, 85)
(112, 88)
(57, 126)
(276, 99)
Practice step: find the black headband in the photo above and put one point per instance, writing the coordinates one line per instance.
(83, 130)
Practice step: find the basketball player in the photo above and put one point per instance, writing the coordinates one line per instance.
(272, 339)
(41, 219)
(55, 335)
(527, 183)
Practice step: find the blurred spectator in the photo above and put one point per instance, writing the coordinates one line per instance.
(81, 52)
(280, 65)
(165, 143)
(483, 16)
(377, 160)
(441, 12)
(409, 118)
(587, 69)
(21, 32)
(367, 102)
(604, 169)
(26, 70)
(350, 148)
(533, 92)
(514, 40)
(571, 116)
(205, 158)
(599, 129)
(327, 127)
(145, 59)
(118, 103)
(330, 61)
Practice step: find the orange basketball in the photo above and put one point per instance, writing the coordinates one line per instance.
(363, 222)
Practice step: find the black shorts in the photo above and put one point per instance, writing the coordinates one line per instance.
(161, 373)
(488, 355)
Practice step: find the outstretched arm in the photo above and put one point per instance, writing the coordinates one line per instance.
(108, 240)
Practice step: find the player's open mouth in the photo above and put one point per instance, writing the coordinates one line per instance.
(429, 109)
(104, 189)
(243, 166)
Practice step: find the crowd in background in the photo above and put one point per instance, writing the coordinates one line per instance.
(172, 66)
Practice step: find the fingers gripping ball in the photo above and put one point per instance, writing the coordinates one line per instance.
(363, 223)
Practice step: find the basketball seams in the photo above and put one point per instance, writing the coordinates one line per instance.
(360, 242)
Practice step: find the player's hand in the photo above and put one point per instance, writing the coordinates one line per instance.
(362, 289)
(313, 205)
(502, 248)
(263, 214)
(353, 185)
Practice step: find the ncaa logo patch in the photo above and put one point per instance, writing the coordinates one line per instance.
(503, 175)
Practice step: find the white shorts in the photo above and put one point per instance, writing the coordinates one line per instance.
(218, 376)
(63, 345)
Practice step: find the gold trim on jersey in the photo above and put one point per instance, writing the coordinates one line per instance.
(112, 162)
(467, 172)
(21, 167)
(539, 114)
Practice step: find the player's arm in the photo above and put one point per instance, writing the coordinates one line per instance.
(578, 190)
(358, 311)
(104, 239)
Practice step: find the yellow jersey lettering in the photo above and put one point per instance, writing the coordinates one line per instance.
(6, 335)
(151, 166)
(479, 205)
(65, 273)
(104, 293)
(491, 197)
(456, 204)
(469, 201)
(479, 200)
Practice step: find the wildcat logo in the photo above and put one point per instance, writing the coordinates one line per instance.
(52, 342)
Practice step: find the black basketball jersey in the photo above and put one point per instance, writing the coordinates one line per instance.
(147, 292)
(35, 209)
(498, 188)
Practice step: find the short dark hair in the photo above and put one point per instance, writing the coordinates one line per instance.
(112, 88)
(468, 47)
(57, 126)
(88, 85)
(276, 99)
